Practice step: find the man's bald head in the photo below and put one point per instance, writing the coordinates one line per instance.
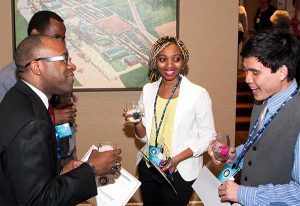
(28, 50)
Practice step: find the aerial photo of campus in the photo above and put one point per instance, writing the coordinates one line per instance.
(108, 40)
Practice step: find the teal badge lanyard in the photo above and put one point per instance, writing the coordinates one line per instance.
(157, 128)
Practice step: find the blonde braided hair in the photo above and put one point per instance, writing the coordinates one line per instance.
(159, 45)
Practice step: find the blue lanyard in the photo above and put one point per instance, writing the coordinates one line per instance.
(252, 139)
(157, 128)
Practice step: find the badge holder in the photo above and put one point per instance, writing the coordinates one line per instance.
(63, 131)
(155, 154)
(228, 173)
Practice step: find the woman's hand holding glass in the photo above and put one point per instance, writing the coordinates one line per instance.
(133, 112)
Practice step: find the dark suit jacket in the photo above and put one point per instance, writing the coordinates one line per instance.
(29, 169)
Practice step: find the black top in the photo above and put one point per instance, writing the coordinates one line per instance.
(262, 19)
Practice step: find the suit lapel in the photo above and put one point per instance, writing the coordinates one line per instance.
(38, 105)
(41, 112)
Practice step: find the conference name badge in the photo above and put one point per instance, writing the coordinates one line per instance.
(63, 130)
(227, 173)
(155, 154)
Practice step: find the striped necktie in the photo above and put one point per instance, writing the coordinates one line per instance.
(262, 117)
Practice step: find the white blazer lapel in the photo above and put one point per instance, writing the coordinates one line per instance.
(150, 104)
(179, 112)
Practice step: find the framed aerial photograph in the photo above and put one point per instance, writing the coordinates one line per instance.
(108, 40)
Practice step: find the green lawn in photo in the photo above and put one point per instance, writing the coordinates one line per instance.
(118, 65)
(103, 42)
(135, 79)
(156, 13)
(120, 7)
(20, 27)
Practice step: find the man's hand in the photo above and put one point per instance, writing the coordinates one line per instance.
(65, 114)
(228, 191)
(105, 161)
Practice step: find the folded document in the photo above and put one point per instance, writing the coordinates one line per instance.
(118, 191)
(206, 186)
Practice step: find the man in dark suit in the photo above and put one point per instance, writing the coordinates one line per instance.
(29, 167)
(50, 24)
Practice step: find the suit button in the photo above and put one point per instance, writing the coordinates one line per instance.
(249, 163)
(254, 148)
(245, 178)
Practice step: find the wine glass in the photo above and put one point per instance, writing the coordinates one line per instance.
(221, 147)
(107, 146)
(134, 111)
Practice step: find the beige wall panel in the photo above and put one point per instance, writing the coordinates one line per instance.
(209, 28)
(6, 52)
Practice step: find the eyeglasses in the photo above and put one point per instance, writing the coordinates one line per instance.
(64, 58)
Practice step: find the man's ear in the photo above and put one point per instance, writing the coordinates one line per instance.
(35, 68)
(283, 72)
(34, 31)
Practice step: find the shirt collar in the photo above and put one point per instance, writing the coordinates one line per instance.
(274, 102)
(39, 93)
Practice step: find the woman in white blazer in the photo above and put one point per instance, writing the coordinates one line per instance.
(176, 128)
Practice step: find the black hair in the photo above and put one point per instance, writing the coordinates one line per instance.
(41, 20)
(27, 50)
(274, 48)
